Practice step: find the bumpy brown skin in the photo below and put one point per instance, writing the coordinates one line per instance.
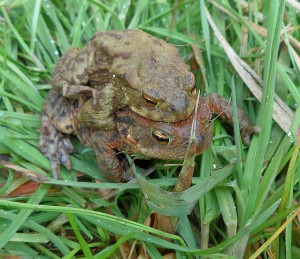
(117, 69)
(134, 134)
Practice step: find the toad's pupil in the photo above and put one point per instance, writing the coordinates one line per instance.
(161, 137)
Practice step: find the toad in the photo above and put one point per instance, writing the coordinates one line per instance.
(134, 134)
(128, 68)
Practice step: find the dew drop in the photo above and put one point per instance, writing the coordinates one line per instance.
(291, 136)
(232, 160)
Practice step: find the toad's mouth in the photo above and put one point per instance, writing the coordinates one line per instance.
(164, 115)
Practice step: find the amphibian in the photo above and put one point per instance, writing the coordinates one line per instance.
(128, 68)
(134, 134)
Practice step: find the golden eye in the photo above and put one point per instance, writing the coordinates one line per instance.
(161, 137)
(151, 102)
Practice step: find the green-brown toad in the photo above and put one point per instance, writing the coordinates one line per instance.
(134, 134)
(128, 68)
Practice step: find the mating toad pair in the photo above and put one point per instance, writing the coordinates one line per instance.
(127, 91)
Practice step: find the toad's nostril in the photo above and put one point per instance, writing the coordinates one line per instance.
(180, 107)
(189, 82)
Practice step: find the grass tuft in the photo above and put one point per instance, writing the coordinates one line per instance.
(247, 51)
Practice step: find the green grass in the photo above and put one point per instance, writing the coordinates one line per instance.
(237, 211)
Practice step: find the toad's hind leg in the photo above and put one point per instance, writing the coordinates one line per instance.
(56, 119)
(113, 167)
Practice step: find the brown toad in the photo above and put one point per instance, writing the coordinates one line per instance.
(128, 68)
(134, 134)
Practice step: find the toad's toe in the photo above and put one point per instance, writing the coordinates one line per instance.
(55, 146)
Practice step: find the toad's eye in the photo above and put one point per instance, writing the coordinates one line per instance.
(161, 137)
(149, 101)
(189, 82)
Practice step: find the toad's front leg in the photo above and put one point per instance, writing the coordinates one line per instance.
(113, 166)
(56, 119)
(223, 108)
(81, 74)
(71, 77)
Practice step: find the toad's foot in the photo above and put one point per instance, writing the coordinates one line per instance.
(73, 91)
(112, 164)
(55, 146)
(97, 117)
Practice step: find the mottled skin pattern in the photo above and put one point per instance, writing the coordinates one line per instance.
(129, 68)
(134, 134)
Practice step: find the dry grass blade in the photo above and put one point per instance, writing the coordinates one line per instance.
(296, 58)
(199, 59)
(259, 29)
(275, 235)
(263, 32)
(27, 173)
(283, 115)
(186, 173)
(166, 223)
(245, 6)
(295, 4)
